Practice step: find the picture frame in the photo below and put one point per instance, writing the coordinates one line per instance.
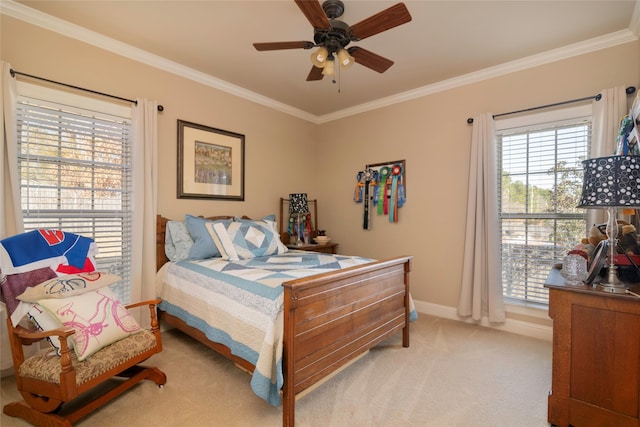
(210, 163)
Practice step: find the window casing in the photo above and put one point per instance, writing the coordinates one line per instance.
(75, 167)
(540, 181)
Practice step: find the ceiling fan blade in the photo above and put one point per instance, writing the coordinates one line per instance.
(314, 13)
(381, 21)
(370, 59)
(315, 74)
(283, 45)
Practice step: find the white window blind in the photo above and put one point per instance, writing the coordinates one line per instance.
(541, 181)
(74, 160)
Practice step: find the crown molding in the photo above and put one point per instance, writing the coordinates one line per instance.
(35, 17)
(576, 49)
(48, 22)
(634, 24)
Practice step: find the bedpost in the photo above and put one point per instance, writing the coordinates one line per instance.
(161, 227)
(288, 388)
(407, 303)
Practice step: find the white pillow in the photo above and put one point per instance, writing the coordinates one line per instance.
(44, 322)
(97, 316)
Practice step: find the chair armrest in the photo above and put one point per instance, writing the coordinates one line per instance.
(31, 336)
(151, 302)
(153, 316)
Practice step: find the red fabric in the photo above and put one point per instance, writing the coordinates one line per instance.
(70, 269)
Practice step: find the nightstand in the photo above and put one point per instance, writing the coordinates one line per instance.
(329, 248)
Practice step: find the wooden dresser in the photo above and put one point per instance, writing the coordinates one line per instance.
(596, 356)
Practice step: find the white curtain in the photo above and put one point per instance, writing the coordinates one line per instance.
(10, 211)
(607, 113)
(145, 182)
(481, 292)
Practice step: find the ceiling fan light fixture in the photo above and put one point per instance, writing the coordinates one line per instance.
(345, 59)
(319, 57)
(329, 68)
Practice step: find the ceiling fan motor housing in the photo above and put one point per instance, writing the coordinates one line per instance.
(333, 8)
(334, 38)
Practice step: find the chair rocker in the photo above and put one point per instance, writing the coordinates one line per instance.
(47, 382)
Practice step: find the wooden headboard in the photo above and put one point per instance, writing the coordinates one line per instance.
(161, 230)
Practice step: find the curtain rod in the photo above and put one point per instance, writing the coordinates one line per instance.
(630, 90)
(14, 73)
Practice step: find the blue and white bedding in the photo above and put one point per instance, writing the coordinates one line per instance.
(240, 304)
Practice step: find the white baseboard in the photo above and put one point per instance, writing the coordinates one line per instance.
(520, 327)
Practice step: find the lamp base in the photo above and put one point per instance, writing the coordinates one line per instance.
(611, 289)
(612, 284)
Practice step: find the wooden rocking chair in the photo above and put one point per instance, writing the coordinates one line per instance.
(48, 381)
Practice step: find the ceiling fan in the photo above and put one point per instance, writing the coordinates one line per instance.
(332, 36)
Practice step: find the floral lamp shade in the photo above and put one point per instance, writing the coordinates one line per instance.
(612, 181)
(298, 203)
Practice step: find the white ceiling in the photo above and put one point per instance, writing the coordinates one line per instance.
(446, 43)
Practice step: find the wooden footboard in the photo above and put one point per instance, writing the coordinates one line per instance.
(330, 319)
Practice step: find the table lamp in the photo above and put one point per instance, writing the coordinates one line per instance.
(610, 183)
(298, 205)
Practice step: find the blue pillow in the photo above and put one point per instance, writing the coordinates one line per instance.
(178, 241)
(203, 246)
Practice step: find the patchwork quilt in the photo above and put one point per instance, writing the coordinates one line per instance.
(240, 304)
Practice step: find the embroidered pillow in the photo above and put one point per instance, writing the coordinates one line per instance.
(97, 316)
(44, 322)
(203, 245)
(68, 285)
(246, 239)
(178, 241)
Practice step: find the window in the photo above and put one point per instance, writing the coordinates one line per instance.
(539, 162)
(74, 161)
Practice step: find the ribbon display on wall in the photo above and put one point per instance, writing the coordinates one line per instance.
(382, 185)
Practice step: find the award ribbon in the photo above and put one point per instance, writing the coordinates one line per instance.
(309, 225)
(396, 173)
(382, 190)
(290, 228)
(368, 176)
(357, 194)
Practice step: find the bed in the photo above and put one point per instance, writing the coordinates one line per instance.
(316, 324)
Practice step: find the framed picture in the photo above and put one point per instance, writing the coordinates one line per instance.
(210, 163)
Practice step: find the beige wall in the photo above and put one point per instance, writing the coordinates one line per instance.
(432, 134)
(279, 148)
(285, 154)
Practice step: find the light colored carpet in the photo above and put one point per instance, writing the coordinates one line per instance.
(453, 374)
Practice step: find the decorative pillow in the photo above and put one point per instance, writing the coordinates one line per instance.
(44, 322)
(203, 245)
(97, 316)
(68, 285)
(178, 241)
(246, 239)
